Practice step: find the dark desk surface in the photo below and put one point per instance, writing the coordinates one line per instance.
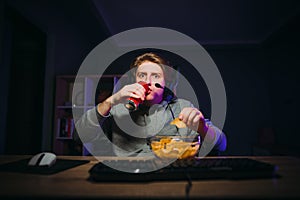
(73, 183)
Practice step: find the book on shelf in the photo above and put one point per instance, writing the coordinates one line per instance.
(65, 127)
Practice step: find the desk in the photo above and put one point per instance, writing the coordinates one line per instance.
(73, 183)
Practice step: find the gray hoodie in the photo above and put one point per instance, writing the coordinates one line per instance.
(125, 133)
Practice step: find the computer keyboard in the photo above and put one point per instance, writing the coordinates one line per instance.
(193, 169)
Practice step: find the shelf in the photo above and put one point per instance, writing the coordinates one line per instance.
(70, 107)
(89, 90)
(89, 107)
(64, 138)
(63, 107)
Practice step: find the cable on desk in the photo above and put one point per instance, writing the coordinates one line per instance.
(188, 185)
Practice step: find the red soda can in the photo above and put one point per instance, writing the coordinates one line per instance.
(133, 103)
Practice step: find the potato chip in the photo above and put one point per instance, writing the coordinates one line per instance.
(177, 122)
(168, 147)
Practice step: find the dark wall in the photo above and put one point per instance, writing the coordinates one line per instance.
(262, 85)
(26, 88)
(244, 73)
(283, 62)
(64, 47)
(4, 79)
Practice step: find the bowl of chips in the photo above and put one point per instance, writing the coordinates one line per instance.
(175, 147)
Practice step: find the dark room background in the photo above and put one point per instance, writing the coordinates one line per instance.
(253, 43)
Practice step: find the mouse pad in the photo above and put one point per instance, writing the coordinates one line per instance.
(22, 167)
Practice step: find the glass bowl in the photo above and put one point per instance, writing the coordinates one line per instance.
(175, 147)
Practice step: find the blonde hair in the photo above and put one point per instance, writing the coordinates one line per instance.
(154, 58)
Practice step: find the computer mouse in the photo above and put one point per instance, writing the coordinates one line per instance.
(44, 159)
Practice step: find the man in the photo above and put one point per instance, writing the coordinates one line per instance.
(126, 132)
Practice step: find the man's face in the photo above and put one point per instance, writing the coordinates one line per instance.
(151, 73)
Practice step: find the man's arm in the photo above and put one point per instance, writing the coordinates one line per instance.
(134, 90)
(212, 137)
(105, 107)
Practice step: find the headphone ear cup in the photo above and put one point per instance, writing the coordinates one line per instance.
(173, 79)
(131, 76)
(131, 79)
(172, 85)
